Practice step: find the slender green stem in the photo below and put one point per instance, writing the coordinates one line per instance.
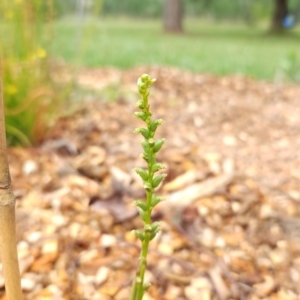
(150, 181)
(145, 243)
(133, 290)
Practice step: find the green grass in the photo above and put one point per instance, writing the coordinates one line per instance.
(205, 47)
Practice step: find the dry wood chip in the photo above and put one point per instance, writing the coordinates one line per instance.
(185, 179)
(218, 283)
(266, 287)
(205, 188)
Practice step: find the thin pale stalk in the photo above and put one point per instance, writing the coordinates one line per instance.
(8, 249)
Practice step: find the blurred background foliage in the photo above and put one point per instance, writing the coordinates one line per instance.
(26, 86)
(215, 9)
(221, 9)
(219, 36)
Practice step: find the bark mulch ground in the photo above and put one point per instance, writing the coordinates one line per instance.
(230, 227)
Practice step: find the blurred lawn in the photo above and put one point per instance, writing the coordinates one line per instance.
(205, 47)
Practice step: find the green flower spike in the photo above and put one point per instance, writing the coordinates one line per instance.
(150, 182)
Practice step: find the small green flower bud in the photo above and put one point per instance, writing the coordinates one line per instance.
(144, 83)
(142, 214)
(157, 166)
(139, 235)
(158, 144)
(146, 286)
(147, 186)
(155, 200)
(151, 142)
(155, 124)
(145, 146)
(144, 132)
(140, 104)
(147, 78)
(153, 235)
(141, 204)
(155, 226)
(148, 228)
(141, 115)
(145, 157)
(157, 180)
(143, 173)
(142, 88)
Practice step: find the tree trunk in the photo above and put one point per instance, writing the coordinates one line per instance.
(8, 250)
(280, 11)
(246, 8)
(173, 14)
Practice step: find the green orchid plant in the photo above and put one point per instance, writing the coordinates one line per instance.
(150, 182)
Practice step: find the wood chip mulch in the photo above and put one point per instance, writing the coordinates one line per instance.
(230, 227)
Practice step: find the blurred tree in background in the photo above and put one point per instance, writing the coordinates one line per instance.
(233, 10)
(214, 9)
(248, 11)
(286, 14)
(281, 11)
(172, 16)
